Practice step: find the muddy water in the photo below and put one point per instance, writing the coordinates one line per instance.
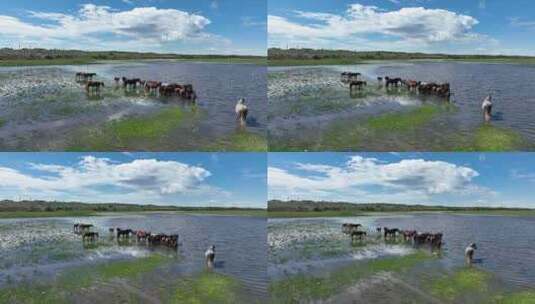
(36, 249)
(41, 107)
(316, 246)
(306, 101)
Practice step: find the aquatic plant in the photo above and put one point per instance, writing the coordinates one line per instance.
(306, 287)
(523, 297)
(241, 140)
(492, 138)
(207, 287)
(465, 280)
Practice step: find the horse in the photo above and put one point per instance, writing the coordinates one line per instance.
(91, 236)
(357, 233)
(378, 229)
(412, 85)
(392, 81)
(93, 86)
(142, 235)
(79, 228)
(349, 76)
(124, 233)
(209, 256)
(390, 232)
(151, 85)
(435, 240)
(408, 234)
(81, 77)
(358, 84)
(469, 253)
(241, 110)
(348, 227)
(486, 106)
(130, 83)
(421, 238)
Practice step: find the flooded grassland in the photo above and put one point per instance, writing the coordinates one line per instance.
(44, 108)
(43, 261)
(312, 261)
(311, 109)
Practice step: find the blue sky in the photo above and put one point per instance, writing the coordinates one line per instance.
(182, 179)
(459, 27)
(451, 179)
(203, 26)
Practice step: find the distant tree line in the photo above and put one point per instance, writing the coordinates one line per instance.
(51, 206)
(319, 206)
(321, 54)
(51, 54)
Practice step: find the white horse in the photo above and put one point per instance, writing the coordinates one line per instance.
(486, 106)
(469, 253)
(209, 255)
(241, 111)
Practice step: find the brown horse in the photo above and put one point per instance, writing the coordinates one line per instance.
(392, 81)
(358, 84)
(90, 236)
(357, 234)
(93, 87)
(390, 232)
(152, 86)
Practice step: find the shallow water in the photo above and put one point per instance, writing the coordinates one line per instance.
(36, 249)
(41, 107)
(316, 245)
(306, 101)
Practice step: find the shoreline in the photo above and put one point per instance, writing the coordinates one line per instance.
(84, 213)
(349, 61)
(95, 61)
(317, 214)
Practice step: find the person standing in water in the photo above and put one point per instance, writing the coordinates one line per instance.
(486, 106)
(469, 253)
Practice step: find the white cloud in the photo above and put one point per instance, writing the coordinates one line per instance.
(93, 25)
(100, 178)
(402, 28)
(370, 180)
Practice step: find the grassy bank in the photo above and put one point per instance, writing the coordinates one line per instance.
(66, 284)
(350, 135)
(302, 287)
(305, 214)
(207, 287)
(311, 62)
(241, 140)
(130, 133)
(493, 139)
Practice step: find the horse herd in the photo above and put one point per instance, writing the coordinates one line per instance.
(131, 85)
(426, 88)
(434, 240)
(142, 237)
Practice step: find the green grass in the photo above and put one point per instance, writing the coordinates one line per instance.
(131, 132)
(59, 290)
(524, 297)
(342, 136)
(493, 139)
(242, 141)
(208, 287)
(402, 122)
(35, 214)
(306, 287)
(2, 122)
(466, 280)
